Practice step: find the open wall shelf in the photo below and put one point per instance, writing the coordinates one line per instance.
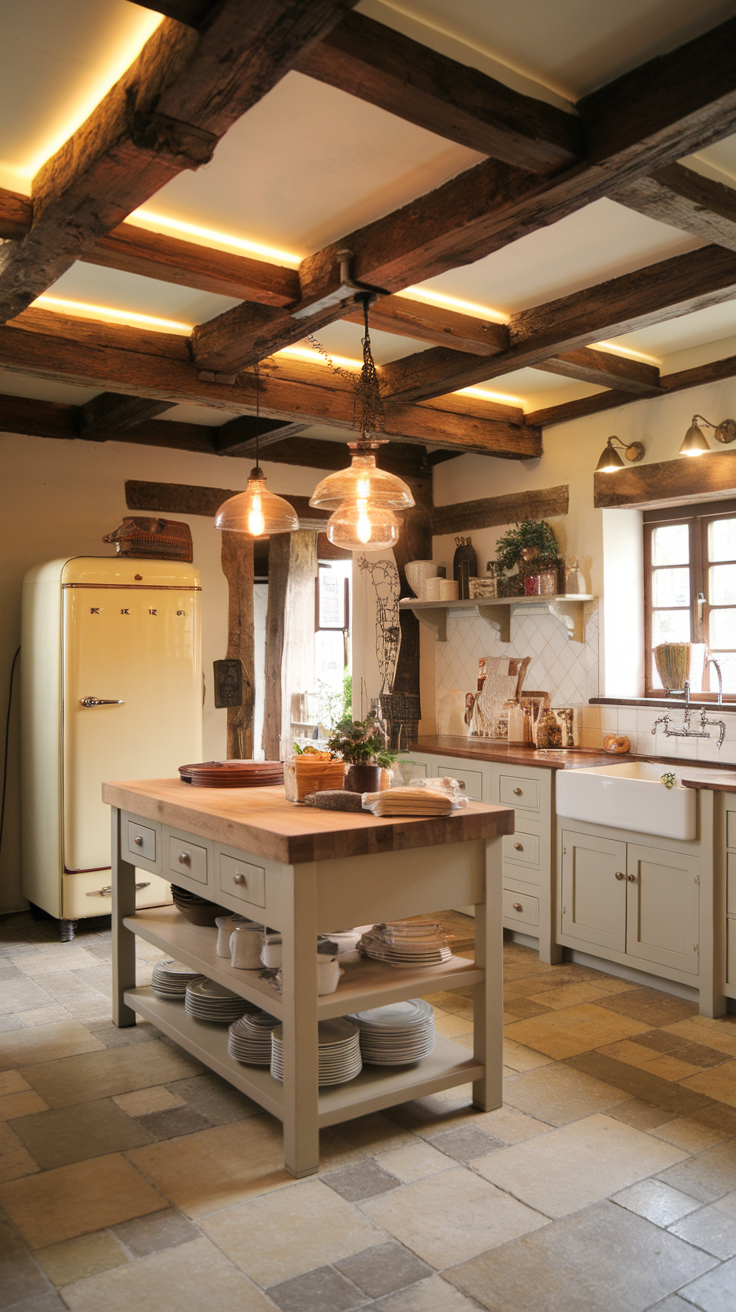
(497, 611)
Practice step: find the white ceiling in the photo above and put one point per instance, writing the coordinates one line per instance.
(309, 163)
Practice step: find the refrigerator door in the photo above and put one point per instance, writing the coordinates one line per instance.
(132, 692)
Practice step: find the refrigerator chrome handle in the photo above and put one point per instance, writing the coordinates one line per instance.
(89, 702)
(107, 890)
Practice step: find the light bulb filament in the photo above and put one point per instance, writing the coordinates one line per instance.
(364, 523)
(256, 522)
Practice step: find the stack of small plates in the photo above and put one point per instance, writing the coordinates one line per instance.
(249, 1038)
(396, 1035)
(406, 945)
(170, 979)
(232, 774)
(206, 1000)
(339, 1052)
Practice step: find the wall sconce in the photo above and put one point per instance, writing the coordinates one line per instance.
(695, 443)
(610, 461)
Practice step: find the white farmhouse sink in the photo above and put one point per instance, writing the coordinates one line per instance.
(631, 796)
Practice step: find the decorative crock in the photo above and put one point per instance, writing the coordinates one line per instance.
(363, 779)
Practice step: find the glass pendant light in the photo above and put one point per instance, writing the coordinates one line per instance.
(256, 511)
(363, 497)
(357, 524)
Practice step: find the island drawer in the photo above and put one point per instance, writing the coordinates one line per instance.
(186, 858)
(520, 907)
(517, 791)
(242, 880)
(141, 840)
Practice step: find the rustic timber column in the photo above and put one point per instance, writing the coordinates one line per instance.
(292, 570)
(237, 566)
(415, 543)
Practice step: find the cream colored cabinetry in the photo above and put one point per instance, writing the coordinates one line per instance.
(728, 900)
(631, 902)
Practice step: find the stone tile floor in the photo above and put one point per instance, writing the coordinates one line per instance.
(130, 1176)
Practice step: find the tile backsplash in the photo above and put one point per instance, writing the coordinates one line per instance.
(567, 670)
(637, 721)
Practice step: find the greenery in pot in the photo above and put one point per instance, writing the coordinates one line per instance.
(361, 742)
(526, 533)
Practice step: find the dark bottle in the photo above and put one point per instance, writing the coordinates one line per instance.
(464, 565)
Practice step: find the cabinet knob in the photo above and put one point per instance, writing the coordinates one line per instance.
(185, 858)
(631, 878)
(139, 840)
(239, 879)
(517, 792)
(620, 874)
(518, 906)
(519, 847)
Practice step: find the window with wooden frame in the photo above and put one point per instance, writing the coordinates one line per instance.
(690, 587)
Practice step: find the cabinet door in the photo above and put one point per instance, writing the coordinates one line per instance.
(594, 890)
(663, 907)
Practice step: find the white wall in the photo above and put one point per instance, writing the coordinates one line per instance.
(58, 498)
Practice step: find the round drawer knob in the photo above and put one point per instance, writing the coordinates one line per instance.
(631, 878)
(518, 906)
(519, 847)
(517, 792)
(620, 874)
(139, 840)
(185, 858)
(240, 879)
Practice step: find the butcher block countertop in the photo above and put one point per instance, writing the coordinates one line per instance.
(475, 749)
(260, 820)
(719, 781)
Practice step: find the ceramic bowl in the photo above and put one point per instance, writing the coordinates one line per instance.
(417, 572)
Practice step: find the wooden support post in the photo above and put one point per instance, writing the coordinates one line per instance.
(488, 1019)
(123, 941)
(415, 543)
(237, 566)
(292, 570)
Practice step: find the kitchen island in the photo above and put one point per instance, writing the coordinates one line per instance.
(303, 871)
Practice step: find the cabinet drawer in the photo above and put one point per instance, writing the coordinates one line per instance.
(518, 906)
(515, 790)
(731, 829)
(141, 840)
(731, 957)
(241, 879)
(187, 858)
(521, 847)
(731, 885)
(473, 779)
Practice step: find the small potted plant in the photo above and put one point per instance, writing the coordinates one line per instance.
(362, 746)
(529, 547)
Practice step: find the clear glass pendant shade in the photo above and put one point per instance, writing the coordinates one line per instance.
(257, 511)
(365, 481)
(358, 525)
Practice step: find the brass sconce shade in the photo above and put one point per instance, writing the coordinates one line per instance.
(695, 442)
(610, 461)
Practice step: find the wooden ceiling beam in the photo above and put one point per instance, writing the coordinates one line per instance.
(605, 369)
(246, 434)
(165, 114)
(636, 300)
(112, 412)
(684, 199)
(433, 323)
(455, 101)
(281, 397)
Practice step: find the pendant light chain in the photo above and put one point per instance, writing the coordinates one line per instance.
(258, 407)
(368, 406)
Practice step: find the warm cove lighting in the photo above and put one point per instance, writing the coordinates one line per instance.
(489, 396)
(454, 303)
(81, 308)
(303, 353)
(614, 349)
(124, 48)
(144, 218)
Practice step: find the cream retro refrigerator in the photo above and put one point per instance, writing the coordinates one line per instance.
(111, 688)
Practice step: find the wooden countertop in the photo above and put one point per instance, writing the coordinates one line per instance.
(719, 781)
(260, 820)
(473, 749)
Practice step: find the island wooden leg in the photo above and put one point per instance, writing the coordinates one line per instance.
(301, 1091)
(488, 996)
(123, 941)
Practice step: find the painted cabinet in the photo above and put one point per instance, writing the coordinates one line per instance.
(640, 904)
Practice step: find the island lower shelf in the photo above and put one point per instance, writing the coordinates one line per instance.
(375, 1088)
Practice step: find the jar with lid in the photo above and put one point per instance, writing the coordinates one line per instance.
(574, 578)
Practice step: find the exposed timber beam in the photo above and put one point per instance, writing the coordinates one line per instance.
(433, 323)
(605, 369)
(667, 481)
(281, 396)
(534, 503)
(246, 434)
(165, 114)
(684, 199)
(191, 12)
(111, 412)
(636, 300)
(386, 68)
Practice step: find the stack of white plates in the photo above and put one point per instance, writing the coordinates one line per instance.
(206, 1000)
(396, 1035)
(406, 945)
(249, 1038)
(339, 1052)
(170, 979)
